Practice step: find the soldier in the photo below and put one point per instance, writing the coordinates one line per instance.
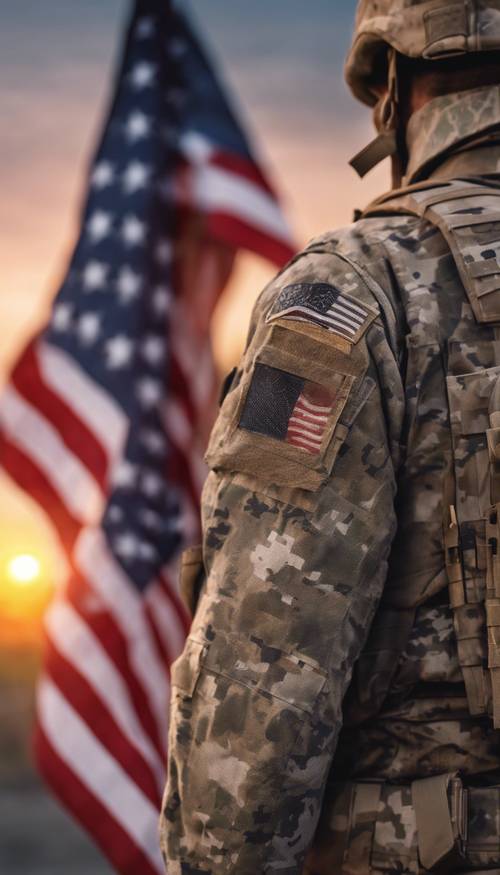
(350, 518)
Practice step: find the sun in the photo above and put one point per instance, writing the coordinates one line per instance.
(24, 569)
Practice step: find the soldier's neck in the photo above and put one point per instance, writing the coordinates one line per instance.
(455, 134)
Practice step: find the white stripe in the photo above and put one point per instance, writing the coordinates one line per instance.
(352, 315)
(215, 189)
(348, 303)
(124, 603)
(166, 619)
(312, 316)
(308, 443)
(305, 432)
(89, 401)
(78, 644)
(100, 773)
(34, 435)
(304, 423)
(312, 406)
(351, 320)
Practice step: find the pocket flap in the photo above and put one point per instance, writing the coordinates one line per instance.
(184, 672)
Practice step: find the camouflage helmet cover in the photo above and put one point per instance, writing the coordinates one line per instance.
(428, 29)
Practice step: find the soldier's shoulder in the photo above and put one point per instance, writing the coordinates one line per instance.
(340, 282)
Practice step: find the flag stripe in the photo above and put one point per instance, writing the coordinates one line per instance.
(27, 379)
(125, 605)
(29, 477)
(88, 660)
(106, 415)
(240, 233)
(108, 783)
(103, 625)
(81, 696)
(34, 435)
(98, 414)
(213, 189)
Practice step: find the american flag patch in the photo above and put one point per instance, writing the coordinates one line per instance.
(323, 305)
(288, 408)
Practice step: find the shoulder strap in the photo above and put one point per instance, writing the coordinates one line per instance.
(467, 213)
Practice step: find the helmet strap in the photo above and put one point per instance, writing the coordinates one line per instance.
(386, 117)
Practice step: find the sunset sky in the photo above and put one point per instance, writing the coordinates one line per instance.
(283, 60)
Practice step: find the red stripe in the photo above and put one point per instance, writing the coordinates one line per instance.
(104, 627)
(29, 477)
(28, 380)
(238, 233)
(297, 442)
(114, 842)
(242, 167)
(179, 386)
(80, 694)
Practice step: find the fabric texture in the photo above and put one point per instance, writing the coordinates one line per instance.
(326, 653)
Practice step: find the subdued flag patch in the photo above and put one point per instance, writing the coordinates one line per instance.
(324, 305)
(289, 408)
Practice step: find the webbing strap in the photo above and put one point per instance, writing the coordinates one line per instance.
(364, 813)
(465, 212)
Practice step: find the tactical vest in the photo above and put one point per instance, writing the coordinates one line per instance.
(467, 213)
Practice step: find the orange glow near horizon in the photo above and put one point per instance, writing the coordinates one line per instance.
(25, 587)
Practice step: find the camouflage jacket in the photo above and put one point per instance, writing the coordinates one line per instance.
(332, 460)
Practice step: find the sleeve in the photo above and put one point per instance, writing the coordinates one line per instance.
(298, 519)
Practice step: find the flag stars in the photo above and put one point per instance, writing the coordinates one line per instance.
(154, 441)
(94, 276)
(133, 231)
(99, 225)
(152, 484)
(142, 75)
(147, 552)
(119, 351)
(115, 513)
(103, 174)
(126, 546)
(137, 126)
(88, 328)
(135, 176)
(124, 475)
(145, 27)
(163, 252)
(61, 317)
(161, 300)
(128, 284)
(151, 520)
(149, 392)
(153, 350)
(176, 48)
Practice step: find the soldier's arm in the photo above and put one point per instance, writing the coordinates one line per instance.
(298, 520)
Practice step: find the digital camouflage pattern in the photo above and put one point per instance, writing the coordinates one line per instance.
(430, 29)
(320, 564)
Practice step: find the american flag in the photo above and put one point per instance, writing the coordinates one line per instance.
(103, 420)
(323, 305)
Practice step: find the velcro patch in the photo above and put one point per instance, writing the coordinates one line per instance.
(324, 305)
(288, 408)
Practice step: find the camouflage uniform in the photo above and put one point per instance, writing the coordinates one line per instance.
(332, 710)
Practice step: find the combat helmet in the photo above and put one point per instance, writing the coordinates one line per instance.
(427, 29)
